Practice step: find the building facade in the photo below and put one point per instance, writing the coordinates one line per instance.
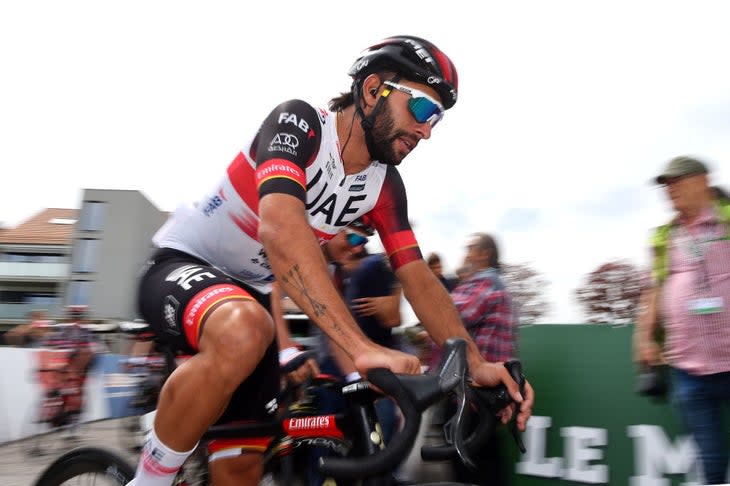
(35, 264)
(90, 256)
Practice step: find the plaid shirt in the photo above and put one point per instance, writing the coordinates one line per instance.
(486, 309)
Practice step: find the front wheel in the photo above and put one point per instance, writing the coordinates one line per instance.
(87, 465)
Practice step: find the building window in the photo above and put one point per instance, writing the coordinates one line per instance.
(79, 292)
(28, 297)
(42, 299)
(92, 216)
(32, 258)
(85, 255)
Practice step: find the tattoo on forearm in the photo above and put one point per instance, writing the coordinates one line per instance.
(294, 278)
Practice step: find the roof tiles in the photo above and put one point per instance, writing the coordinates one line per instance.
(44, 228)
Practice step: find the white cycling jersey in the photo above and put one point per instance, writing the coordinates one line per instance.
(296, 151)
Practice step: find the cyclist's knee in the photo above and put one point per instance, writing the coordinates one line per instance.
(238, 331)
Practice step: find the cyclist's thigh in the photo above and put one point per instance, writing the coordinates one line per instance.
(177, 290)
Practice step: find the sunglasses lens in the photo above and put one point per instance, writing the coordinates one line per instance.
(425, 110)
(354, 239)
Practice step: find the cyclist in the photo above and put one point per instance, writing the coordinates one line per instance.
(305, 175)
(72, 349)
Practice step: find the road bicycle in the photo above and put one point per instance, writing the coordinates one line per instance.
(361, 457)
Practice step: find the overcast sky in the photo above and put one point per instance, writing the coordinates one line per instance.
(566, 110)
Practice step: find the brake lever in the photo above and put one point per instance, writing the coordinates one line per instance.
(489, 399)
(495, 399)
(515, 370)
(461, 415)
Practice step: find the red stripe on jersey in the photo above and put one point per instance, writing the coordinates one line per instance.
(398, 241)
(405, 255)
(401, 247)
(243, 180)
(199, 307)
(275, 168)
(248, 224)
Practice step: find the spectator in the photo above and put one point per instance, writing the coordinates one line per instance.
(486, 308)
(689, 295)
(67, 353)
(463, 272)
(434, 263)
(374, 296)
(372, 293)
(31, 333)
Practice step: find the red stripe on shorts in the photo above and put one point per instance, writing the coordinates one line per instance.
(199, 307)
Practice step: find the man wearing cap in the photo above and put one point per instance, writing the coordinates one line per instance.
(689, 295)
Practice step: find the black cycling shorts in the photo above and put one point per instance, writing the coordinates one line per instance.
(175, 293)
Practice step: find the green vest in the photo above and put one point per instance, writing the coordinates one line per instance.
(660, 241)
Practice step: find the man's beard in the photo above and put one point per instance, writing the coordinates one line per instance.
(381, 141)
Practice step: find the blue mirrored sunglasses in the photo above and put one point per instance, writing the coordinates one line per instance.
(354, 239)
(422, 106)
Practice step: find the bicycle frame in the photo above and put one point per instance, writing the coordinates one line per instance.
(358, 421)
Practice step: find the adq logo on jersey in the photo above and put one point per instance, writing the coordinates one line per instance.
(284, 142)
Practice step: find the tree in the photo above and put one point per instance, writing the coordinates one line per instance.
(611, 293)
(527, 288)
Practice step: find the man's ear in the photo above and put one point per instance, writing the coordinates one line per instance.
(370, 89)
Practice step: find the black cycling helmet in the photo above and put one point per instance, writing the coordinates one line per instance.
(413, 58)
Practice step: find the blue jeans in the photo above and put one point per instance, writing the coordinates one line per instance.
(386, 412)
(700, 402)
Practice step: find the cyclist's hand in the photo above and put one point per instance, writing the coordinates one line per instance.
(308, 368)
(395, 361)
(492, 374)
